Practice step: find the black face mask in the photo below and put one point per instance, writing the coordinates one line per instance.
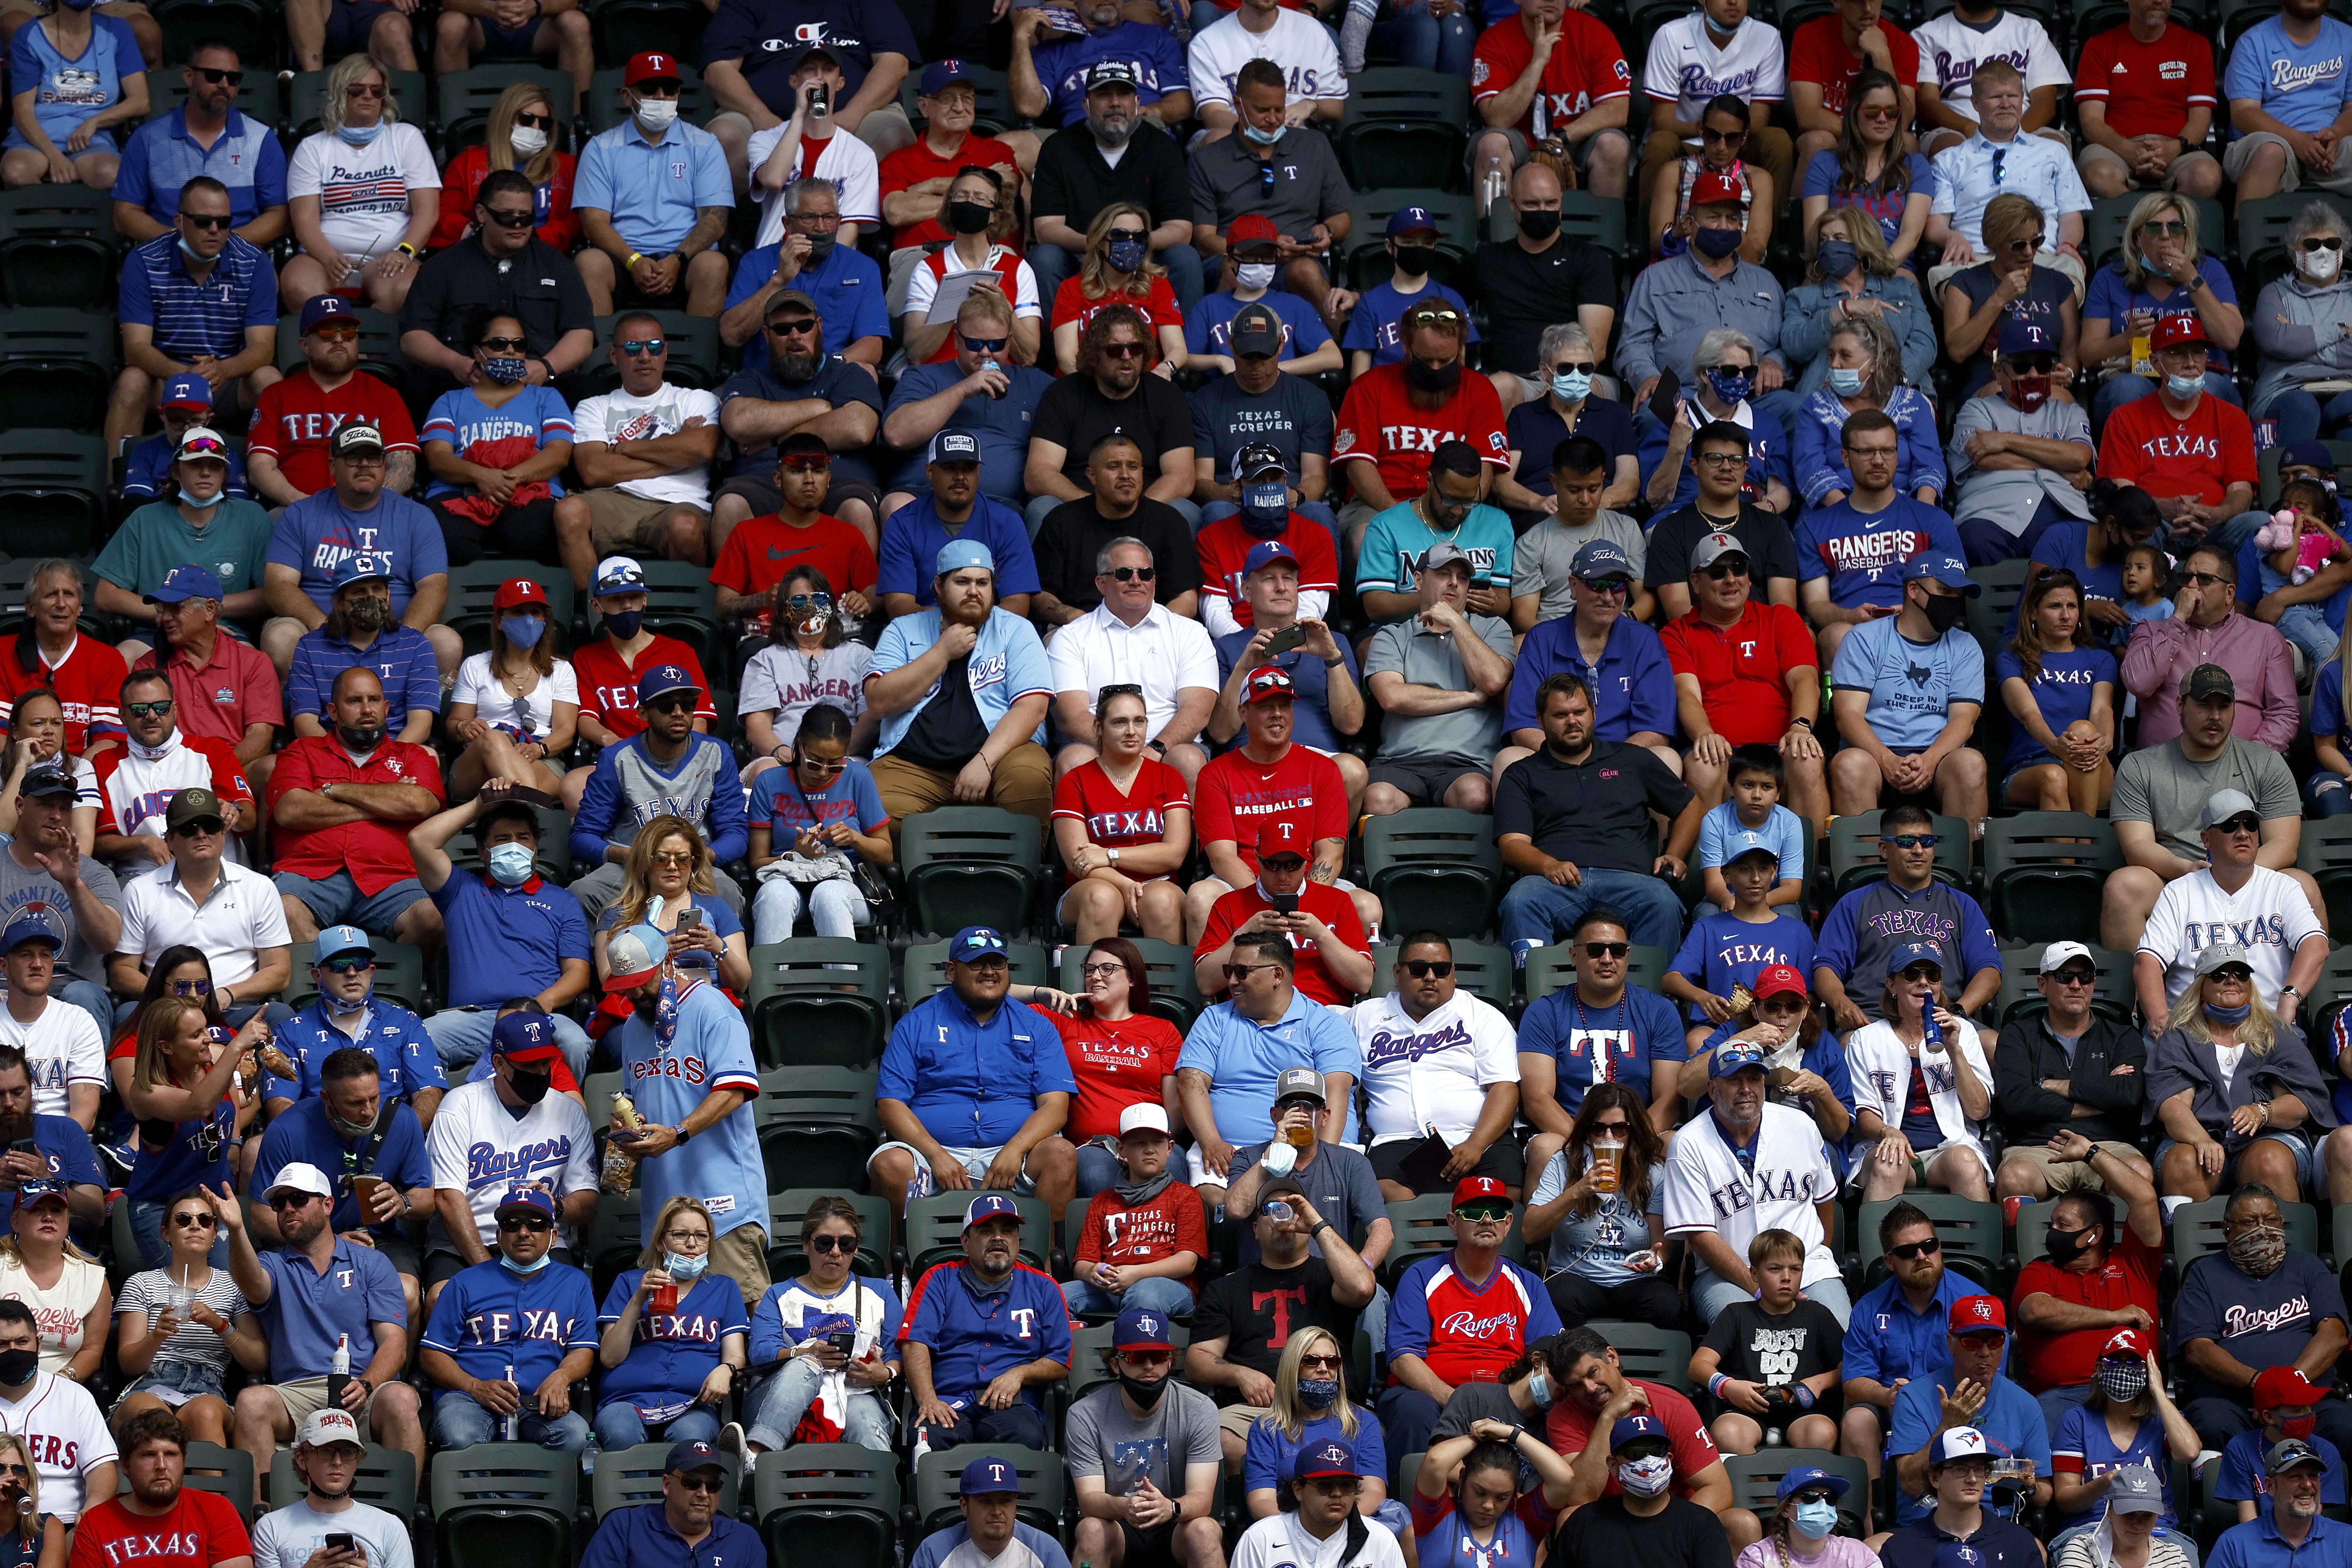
(2067, 1246)
(366, 740)
(624, 623)
(530, 1087)
(970, 217)
(1144, 1393)
(819, 246)
(1540, 224)
(1416, 260)
(1944, 611)
(1423, 377)
(18, 1366)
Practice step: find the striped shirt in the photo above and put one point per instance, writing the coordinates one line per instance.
(162, 157)
(193, 319)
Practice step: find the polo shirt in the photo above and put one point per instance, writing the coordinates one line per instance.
(1863, 930)
(1887, 1341)
(2126, 1279)
(1000, 424)
(913, 537)
(1587, 1044)
(375, 852)
(87, 683)
(304, 1132)
(917, 162)
(406, 1059)
(1997, 1542)
(1469, 736)
(1332, 906)
(1227, 182)
(1969, 176)
(490, 1319)
(976, 1332)
(1164, 653)
(1244, 1058)
(652, 190)
(1535, 430)
(1464, 1331)
(641, 1537)
(837, 382)
(1310, 712)
(1632, 684)
(239, 919)
(192, 320)
(507, 941)
(2258, 1545)
(846, 286)
(234, 687)
(161, 156)
(1006, 664)
(1595, 813)
(1911, 687)
(2010, 1421)
(608, 683)
(1742, 669)
(308, 1310)
(402, 657)
(538, 286)
(971, 1085)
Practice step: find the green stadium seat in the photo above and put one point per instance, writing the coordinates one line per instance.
(58, 249)
(1756, 1480)
(1424, 1229)
(2197, 1230)
(625, 1478)
(1649, 1350)
(1971, 1233)
(625, 29)
(1987, 613)
(606, 107)
(969, 865)
(1404, 126)
(57, 370)
(498, 1504)
(228, 1472)
(694, 352)
(819, 1001)
(307, 90)
(1440, 864)
(817, 1125)
(2326, 852)
(250, 26)
(2329, 993)
(258, 97)
(2103, 228)
(2111, 997)
(474, 585)
(1548, 969)
(2045, 871)
(1364, 263)
(463, 100)
(1168, 969)
(380, 354)
(1090, 1344)
(2267, 467)
(833, 1503)
(924, 970)
(386, 1479)
(2262, 224)
(1596, 220)
(53, 489)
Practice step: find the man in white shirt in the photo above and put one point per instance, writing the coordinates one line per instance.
(1716, 51)
(2001, 160)
(778, 156)
(1131, 638)
(644, 454)
(137, 781)
(72, 1451)
(2233, 903)
(1442, 1070)
(1954, 50)
(327, 1455)
(63, 1050)
(1265, 30)
(233, 915)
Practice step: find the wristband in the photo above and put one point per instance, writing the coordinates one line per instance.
(1335, 661)
(633, 259)
(1715, 1384)
(406, 249)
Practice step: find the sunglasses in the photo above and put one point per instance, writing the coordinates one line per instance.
(2310, 246)
(218, 78)
(505, 345)
(800, 326)
(1912, 841)
(636, 347)
(1422, 968)
(1921, 971)
(160, 709)
(1125, 350)
(714, 1486)
(1237, 972)
(191, 988)
(816, 769)
(2241, 825)
(670, 705)
(2204, 579)
(1123, 689)
(362, 89)
(1485, 1209)
(2171, 228)
(1604, 585)
(194, 1221)
(538, 121)
(2032, 364)
(339, 332)
(1575, 367)
(1912, 1251)
(1266, 176)
(1125, 235)
(200, 826)
(845, 1245)
(1875, 111)
(202, 221)
(1134, 574)
(810, 602)
(807, 463)
(674, 856)
(1723, 569)
(1607, 949)
(2232, 972)
(533, 1223)
(2071, 976)
(508, 219)
(347, 964)
(1320, 1363)
(291, 1200)
(985, 345)
(1727, 138)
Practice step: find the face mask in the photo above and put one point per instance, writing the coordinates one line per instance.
(2260, 1250)
(819, 246)
(655, 114)
(2319, 266)
(1646, 1478)
(527, 139)
(194, 255)
(1416, 260)
(2184, 386)
(1714, 244)
(203, 503)
(1540, 224)
(1318, 1392)
(1255, 273)
(1144, 1393)
(1731, 385)
(2123, 1381)
(970, 217)
(1261, 138)
(2029, 392)
(350, 1130)
(360, 135)
(1573, 386)
(1944, 611)
(2237, 1014)
(368, 613)
(541, 1261)
(682, 1269)
(523, 631)
(2300, 1426)
(624, 623)
(1838, 258)
(510, 864)
(1845, 382)
(1539, 1390)
(365, 740)
(1123, 255)
(18, 1366)
(530, 1087)
(506, 369)
(1814, 1520)
(1423, 377)
(2065, 1246)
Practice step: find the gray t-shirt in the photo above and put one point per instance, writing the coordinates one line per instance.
(2010, 496)
(1101, 1439)
(1468, 735)
(286, 1537)
(1481, 1402)
(2163, 788)
(1539, 560)
(1340, 1183)
(19, 887)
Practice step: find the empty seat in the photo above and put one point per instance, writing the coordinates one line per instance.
(57, 246)
(53, 489)
(969, 865)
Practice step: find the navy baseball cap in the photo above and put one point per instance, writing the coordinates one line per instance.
(662, 679)
(1140, 1329)
(39, 1191)
(955, 447)
(1405, 220)
(525, 1038)
(989, 1205)
(336, 941)
(43, 780)
(31, 924)
(1637, 1428)
(532, 1200)
(1598, 558)
(2297, 455)
(692, 1455)
(181, 583)
(1265, 551)
(327, 308)
(1912, 952)
(1736, 1055)
(2025, 338)
(978, 941)
(941, 75)
(188, 391)
(1805, 1476)
(1949, 570)
(988, 1476)
(1318, 1460)
(359, 568)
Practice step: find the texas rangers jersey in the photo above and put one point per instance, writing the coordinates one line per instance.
(977, 1332)
(711, 1049)
(65, 1436)
(1467, 1332)
(2268, 916)
(1785, 1171)
(1685, 68)
(1432, 1076)
(488, 1318)
(479, 1148)
(1951, 51)
(135, 785)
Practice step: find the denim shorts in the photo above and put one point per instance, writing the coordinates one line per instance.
(2296, 1144)
(337, 899)
(177, 1381)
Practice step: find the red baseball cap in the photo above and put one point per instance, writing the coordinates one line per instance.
(1711, 189)
(518, 591)
(1251, 228)
(1268, 682)
(651, 66)
(2278, 1385)
(1470, 1189)
(1273, 840)
(2127, 1342)
(1778, 980)
(1979, 1315)
(2174, 331)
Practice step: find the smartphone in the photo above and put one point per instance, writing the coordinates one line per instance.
(1663, 401)
(338, 1541)
(1284, 903)
(845, 1340)
(25, 1146)
(1283, 641)
(689, 919)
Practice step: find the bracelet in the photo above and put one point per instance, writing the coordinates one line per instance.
(1715, 1384)
(633, 259)
(406, 249)
(1335, 661)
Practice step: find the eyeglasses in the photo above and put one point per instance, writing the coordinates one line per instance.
(1237, 972)
(1886, 452)
(1422, 968)
(673, 857)
(826, 1244)
(507, 346)
(1320, 1363)
(2171, 228)
(1125, 235)
(218, 78)
(1134, 574)
(1485, 1209)
(985, 345)
(203, 221)
(1722, 460)
(362, 90)
(158, 708)
(2241, 824)
(199, 827)
(817, 220)
(636, 347)
(1607, 949)
(1104, 970)
(1723, 569)
(697, 1484)
(675, 1235)
(194, 1221)
(1125, 350)
(1912, 1251)
(1912, 841)
(807, 463)
(338, 333)
(530, 1222)
(800, 326)
(508, 219)
(348, 964)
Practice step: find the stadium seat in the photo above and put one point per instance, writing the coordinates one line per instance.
(1548, 969)
(1364, 263)
(990, 87)
(613, 1240)
(819, 1001)
(2045, 871)
(505, 1505)
(53, 488)
(399, 974)
(1168, 969)
(833, 1503)
(787, 1209)
(1756, 1480)
(57, 370)
(1649, 1352)
(628, 1477)
(2328, 996)
(1090, 1344)
(474, 585)
(969, 865)
(1424, 1230)
(380, 354)
(605, 105)
(228, 1472)
(307, 90)
(1440, 864)
(924, 970)
(1971, 1232)
(694, 357)
(1481, 968)
(58, 249)
(1987, 615)
(1855, 859)
(386, 1479)
(463, 100)
(1043, 1484)
(553, 861)
(934, 1229)
(2021, 966)
(1404, 126)
(2093, 17)
(252, 27)
(625, 29)
(2325, 851)
(817, 1125)
(2197, 1231)
(1596, 220)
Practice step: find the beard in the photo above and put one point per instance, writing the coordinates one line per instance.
(799, 367)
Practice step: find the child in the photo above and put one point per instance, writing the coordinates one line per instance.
(1715, 971)
(1372, 329)
(2284, 1400)
(1773, 1362)
(1479, 1515)
(2145, 570)
(1754, 818)
(2300, 539)
(2330, 789)
(1141, 1253)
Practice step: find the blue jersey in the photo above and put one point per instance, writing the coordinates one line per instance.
(460, 418)
(1446, 1541)
(304, 1133)
(711, 1049)
(2012, 1423)
(641, 1537)
(194, 1154)
(671, 1352)
(2243, 1478)
(1723, 951)
(1863, 554)
(319, 533)
(1614, 1044)
(976, 1332)
(2063, 689)
(2083, 1445)
(309, 1309)
(1266, 1465)
(489, 1318)
(1150, 51)
(971, 1085)
(393, 1036)
(66, 91)
(1373, 326)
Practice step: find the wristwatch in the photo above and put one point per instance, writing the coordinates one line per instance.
(1159, 745)
(1113, 853)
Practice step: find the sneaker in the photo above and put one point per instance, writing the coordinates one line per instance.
(731, 1441)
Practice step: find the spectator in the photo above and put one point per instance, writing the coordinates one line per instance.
(1396, 416)
(1719, 511)
(360, 628)
(974, 1358)
(1566, 1052)
(975, 389)
(2239, 1128)
(669, 882)
(685, 1522)
(2008, 1424)
(1110, 394)
(989, 1490)
(1085, 174)
(1851, 266)
(917, 179)
(1437, 675)
(1116, 268)
(345, 861)
(1856, 543)
(808, 147)
(812, 854)
(2075, 1306)
(167, 1348)
(322, 30)
(1325, 929)
(1079, 535)
(794, 1327)
(2287, 125)
(80, 1464)
(1255, 248)
(64, 1050)
(1129, 644)
(1394, 545)
(290, 445)
(1225, 548)
(59, 1148)
(49, 655)
(1440, 1077)
(1314, 88)
(1534, 85)
(2187, 450)
(798, 527)
(800, 393)
(2122, 518)
(2208, 632)
(519, 678)
(2290, 940)
(816, 255)
(1866, 927)
(1871, 168)
(606, 666)
(2256, 1303)
(668, 768)
(2153, 1431)
(1375, 333)
(1548, 804)
(2299, 318)
(1957, 51)
(518, 138)
(1729, 950)
(1750, 1384)
(1311, 1405)
(2007, 286)
(2019, 458)
(1862, 356)
(346, 1011)
(870, 47)
(76, 77)
(498, 449)
(809, 662)
(173, 323)
(2159, 249)
(1896, 1334)
(1307, 204)
(187, 142)
(1930, 1088)
(1767, 693)
(39, 726)
(1537, 429)
(1781, 1019)
(1122, 1054)
(180, 1524)
(1256, 404)
(1544, 278)
(173, 529)
(186, 406)
(498, 244)
(644, 454)
(1675, 308)
(918, 530)
(42, 872)
(2277, 1391)
(1986, 152)
(1235, 1059)
(326, 1459)
(2148, 132)
(1719, 51)
(1726, 364)
(652, 197)
(2064, 1072)
(200, 898)
(1756, 777)
(1595, 1395)
(1139, 1253)
(1956, 1501)
(362, 193)
(544, 1341)
(226, 692)
(1607, 1252)
(74, 1306)
(1828, 56)
(1910, 736)
(1674, 188)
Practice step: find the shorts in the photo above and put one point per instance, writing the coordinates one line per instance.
(763, 498)
(337, 899)
(2092, 153)
(118, 9)
(1416, 1163)
(1238, 1420)
(177, 1381)
(2238, 153)
(742, 1255)
(441, 1265)
(500, 42)
(1153, 1548)
(348, 24)
(1423, 779)
(2296, 1144)
(621, 521)
(1580, 152)
(2065, 1175)
(975, 1163)
(305, 1394)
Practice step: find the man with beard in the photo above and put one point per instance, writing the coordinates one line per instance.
(327, 1455)
(802, 390)
(160, 1520)
(361, 628)
(342, 805)
(222, 690)
(1119, 159)
(984, 1335)
(1072, 544)
(963, 692)
(2298, 1476)
(42, 870)
(668, 767)
(1440, 1077)
(510, 1336)
(1396, 416)
(60, 1152)
(2256, 1304)
(163, 154)
(296, 420)
(317, 1293)
(347, 1012)
(687, 1527)
(686, 1052)
(136, 782)
(1144, 1455)
(1897, 1333)
(349, 1126)
(1111, 394)
(1906, 691)
(65, 1439)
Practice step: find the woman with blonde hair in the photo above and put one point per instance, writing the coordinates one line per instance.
(2233, 1086)
(517, 705)
(1865, 370)
(2162, 272)
(2007, 286)
(832, 1334)
(2061, 697)
(178, 1327)
(1118, 269)
(28, 1537)
(1311, 1405)
(64, 1286)
(190, 1100)
(1851, 274)
(674, 1338)
(387, 194)
(669, 884)
(522, 135)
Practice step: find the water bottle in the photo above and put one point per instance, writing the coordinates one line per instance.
(1934, 1045)
(510, 1425)
(339, 1371)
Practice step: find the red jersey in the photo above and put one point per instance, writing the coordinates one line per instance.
(912, 164)
(1236, 797)
(1817, 53)
(1312, 977)
(1223, 548)
(295, 416)
(2127, 1278)
(1743, 670)
(1587, 67)
(608, 683)
(88, 685)
(2148, 89)
(1005, 262)
(1379, 422)
(558, 225)
(2198, 456)
(1568, 1428)
(138, 791)
(236, 688)
(202, 1529)
(1118, 1063)
(1171, 1221)
(761, 550)
(1071, 304)
(375, 852)
(1465, 1332)
(1115, 821)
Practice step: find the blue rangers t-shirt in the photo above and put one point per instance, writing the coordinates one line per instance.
(2261, 1322)
(671, 1352)
(1863, 930)
(1593, 1045)
(319, 533)
(2302, 86)
(1863, 554)
(1379, 316)
(2244, 1477)
(976, 1330)
(303, 1132)
(2083, 1445)
(1153, 51)
(491, 1319)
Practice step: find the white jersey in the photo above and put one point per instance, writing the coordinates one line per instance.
(1951, 51)
(2269, 917)
(1433, 1075)
(1881, 1065)
(618, 417)
(138, 791)
(66, 1436)
(62, 1047)
(479, 1148)
(1278, 1542)
(923, 280)
(1685, 68)
(841, 161)
(1709, 1188)
(1297, 42)
(286, 1537)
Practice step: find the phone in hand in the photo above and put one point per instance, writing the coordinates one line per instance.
(1663, 401)
(1283, 641)
(341, 1541)
(689, 919)
(1284, 903)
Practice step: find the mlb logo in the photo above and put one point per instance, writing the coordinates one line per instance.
(677, 171)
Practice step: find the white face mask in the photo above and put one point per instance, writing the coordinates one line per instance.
(2319, 266)
(655, 114)
(529, 140)
(1255, 273)
(1646, 1478)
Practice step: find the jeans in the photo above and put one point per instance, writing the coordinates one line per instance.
(2057, 1401)
(91, 998)
(1988, 543)
(1099, 1170)
(459, 1422)
(1541, 910)
(1407, 1419)
(2301, 417)
(147, 1226)
(836, 908)
(779, 1402)
(1164, 1296)
(1054, 266)
(462, 1039)
(2330, 794)
(1712, 1294)
(1020, 1424)
(618, 1425)
(1411, 35)
(2129, 388)
(2305, 625)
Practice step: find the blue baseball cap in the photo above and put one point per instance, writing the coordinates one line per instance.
(532, 1200)
(664, 679)
(1265, 553)
(1600, 558)
(31, 923)
(1632, 1429)
(989, 1205)
(693, 1455)
(978, 941)
(1404, 220)
(988, 1476)
(1912, 952)
(336, 941)
(1949, 570)
(1805, 1476)
(37, 1190)
(188, 391)
(327, 308)
(2297, 455)
(942, 74)
(362, 567)
(1736, 1055)
(181, 583)
(1142, 1329)
(525, 1037)
(958, 553)
(2025, 338)
(1318, 1461)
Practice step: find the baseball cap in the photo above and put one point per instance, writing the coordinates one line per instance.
(2209, 683)
(1736, 1055)
(2297, 455)
(1144, 1116)
(1936, 567)
(988, 1476)
(1777, 980)
(1912, 952)
(957, 447)
(1805, 1476)
(991, 1206)
(693, 1454)
(1961, 1442)
(1256, 330)
(2289, 1454)
(1267, 682)
(2219, 956)
(1639, 1428)
(2025, 338)
(783, 299)
(188, 391)
(619, 574)
(35, 1192)
(526, 1036)
(518, 591)
(1257, 460)
(300, 1176)
(1110, 73)
(359, 435)
(633, 957)
(1979, 1315)
(2174, 331)
(1316, 1460)
(31, 924)
(45, 780)
(1061, 19)
(1442, 555)
(1600, 558)
(1755, 850)
(957, 554)
(664, 679)
(1298, 1083)
(2134, 1488)
(1471, 1189)
(327, 308)
(977, 941)
(1251, 228)
(530, 1200)
(2123, 1343)
(1265, 552)
(2225, 803)
(326, 1426)
(183, 583)
(2278, 1385)
(336, 941)
(941, 75)
(1714, 548)
(1282, 846)
(1712, 189)
(200, 441)
(1405, 220)
(195, 804)
(362, 567)
(651, 66)
(1140, 1329)
(2054, 956)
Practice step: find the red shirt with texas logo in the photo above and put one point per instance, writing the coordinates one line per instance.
(1587, 67)
(293, 419)
(201, 1529)
(375, 852)
(1118, 1062)
(2198, 456)
(1168, 1223)
(1378, 421)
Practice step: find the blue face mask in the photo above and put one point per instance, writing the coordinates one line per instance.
(1125, 254)
(681, 1268)
(1814, 1520)
(2184, 386)
(1318, 1392)
(510, 864)
(1838, 258)
(1714, 244)
(2237, 1014)
(1262, 137)
(360, 135)
(1731, 385)
(1845, 382)
(624, 623)
(1573, 386)
(194, 257)
(543, 1260)
(523, 631)
(203, 503)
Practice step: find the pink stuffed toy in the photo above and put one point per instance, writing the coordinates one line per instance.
(2314, 548)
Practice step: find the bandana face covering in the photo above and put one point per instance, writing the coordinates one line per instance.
(2259, 1251)
(2029, 392)
(2123, 1381)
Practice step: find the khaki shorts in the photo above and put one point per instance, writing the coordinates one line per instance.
(2235, 157)
(305, 1394)
(1239, 1419)
(620, 520)
(2092, 153)
(742, 1255)
(2066, 1175)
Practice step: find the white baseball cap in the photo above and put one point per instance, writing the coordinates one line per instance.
(2058, 952)
(1145, 1115)
(300, 1176)
(326, 1426)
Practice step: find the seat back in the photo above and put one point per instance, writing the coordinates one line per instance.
(57, 246)
(695, 360)
(1647, 1351)
(925, 969)
(969, 865)
(2019, 997)
(817, 1126)
(474, 585)
(228, 1472)
(819, 1001)
(55, 366)
(1855, 858)
(1971, 1233)
(2197, 1230)
(934, 1228)
(386, 1479)
(1481, 968)
(1550, 968)
(614, 1236)
(1043, 1484)
(1090, 1346)
(463, 100)
(1442, 864)
(1403, 126)
(824, 1479)
(1168, 969)
(628, 1477)
(1986, 614)
(1422, 1230)
(53, 487)
(496, 1505)
(308, 91)
(2045, 872)
(2326, 852)
(606, 107)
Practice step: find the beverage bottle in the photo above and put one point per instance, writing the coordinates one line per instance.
(1934, 1043)
(339, 1371)
(620, 1169)
(510, 1424)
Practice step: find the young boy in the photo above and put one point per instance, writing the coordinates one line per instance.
(1143, 1254)
(1714, 972)
(2284, 1402)
(1752, 817)
(1773, 1362)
